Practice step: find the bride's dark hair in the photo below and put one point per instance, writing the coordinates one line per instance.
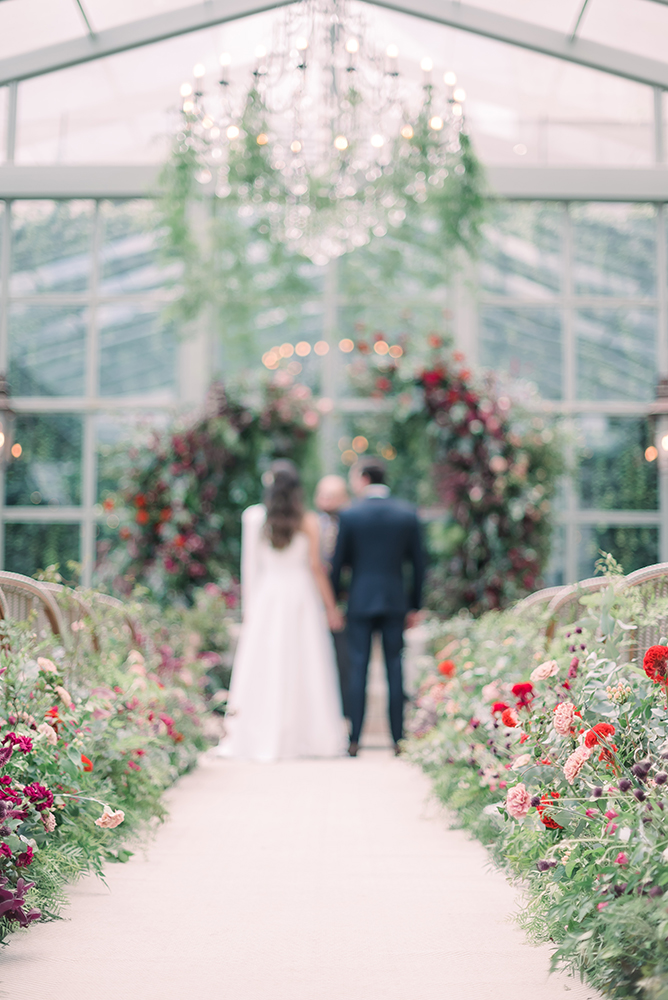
(284, 502)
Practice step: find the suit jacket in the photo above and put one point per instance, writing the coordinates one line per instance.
(377, 537)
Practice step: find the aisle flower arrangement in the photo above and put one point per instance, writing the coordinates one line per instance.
(88, 743)
(556, 756)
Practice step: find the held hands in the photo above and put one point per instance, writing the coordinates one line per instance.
(335, 620)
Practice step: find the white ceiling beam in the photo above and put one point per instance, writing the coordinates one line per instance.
(462, 16)
(536, 38)
(131, 35)
(523, 183)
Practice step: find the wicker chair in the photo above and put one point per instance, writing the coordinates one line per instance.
(564, 608)
(651, 583)
(73, 609)
(537, 598)
(21, 596)
(113, 603)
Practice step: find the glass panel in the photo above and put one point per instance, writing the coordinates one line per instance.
(32, 547)
(137, 350)
(614, 250)
(47, 350)
(614, 473)
(128, 253)
(525, 343)
(632, 546)
(114, 430)
(49, 469)
(616, 353)
(522, 252)
(555, 571)
(51, 246)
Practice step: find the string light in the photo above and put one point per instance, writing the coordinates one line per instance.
(651, 453)
(346, 345)
(303, 348)
(381, 347)
(360, 444)
(321, 348)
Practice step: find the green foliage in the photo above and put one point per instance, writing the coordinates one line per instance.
(576, 816)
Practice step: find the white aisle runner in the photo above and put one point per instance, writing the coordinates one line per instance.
(305, 880)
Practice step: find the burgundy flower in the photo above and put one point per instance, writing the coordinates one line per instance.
(5, 850)
(22, 743)
(39, 795)
(5, 755)
(25, 858)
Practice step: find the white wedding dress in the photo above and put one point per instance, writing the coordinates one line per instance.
(284, 696)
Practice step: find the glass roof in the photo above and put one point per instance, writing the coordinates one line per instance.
(522, 107)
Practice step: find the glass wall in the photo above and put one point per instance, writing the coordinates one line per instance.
(572, 299)
(85, 346)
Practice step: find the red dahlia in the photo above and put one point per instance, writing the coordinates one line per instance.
(447, 668)
(599, 734)
(499, 706)
(655, 664)
(523, 693)
(547, 821)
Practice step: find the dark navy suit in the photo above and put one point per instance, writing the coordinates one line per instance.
(377, 537)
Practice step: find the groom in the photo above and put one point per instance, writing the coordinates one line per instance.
(377, 537)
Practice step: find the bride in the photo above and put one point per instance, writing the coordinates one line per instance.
(284, 696)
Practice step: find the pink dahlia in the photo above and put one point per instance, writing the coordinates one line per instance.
(575, 763)
(518, 801)
(564, 714)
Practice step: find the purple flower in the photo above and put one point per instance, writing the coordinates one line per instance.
(13, 901)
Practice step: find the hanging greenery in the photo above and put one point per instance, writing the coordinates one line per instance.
(233, 267)
(182, 492)
(456, 441)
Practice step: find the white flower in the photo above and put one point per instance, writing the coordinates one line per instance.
(625, 834)
(544, 670)
(522, 761)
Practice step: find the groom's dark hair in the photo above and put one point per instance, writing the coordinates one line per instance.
(373, 469)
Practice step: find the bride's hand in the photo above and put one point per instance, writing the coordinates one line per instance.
(335, 620)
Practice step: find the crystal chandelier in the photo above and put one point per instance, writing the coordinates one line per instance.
(328, 144)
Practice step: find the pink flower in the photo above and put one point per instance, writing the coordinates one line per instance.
(601, 906)
(49, 821)
(575, 763)
(521, 761)
(591, 813)
(518, 802)
(47, 665)
(564, 715)
(610, 814)
(110, 818)
(610, 828)
(44, 729)
(621, 859)
(64, 696)
(544, 670)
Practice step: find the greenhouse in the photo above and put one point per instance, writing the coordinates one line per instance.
(334, 424)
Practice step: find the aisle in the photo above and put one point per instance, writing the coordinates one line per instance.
(298, 881)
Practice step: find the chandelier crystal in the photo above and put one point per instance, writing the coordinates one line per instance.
(328, 144)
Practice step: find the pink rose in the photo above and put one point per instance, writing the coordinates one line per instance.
(564, 715)
(44, 729)
(621, 859)
(522, 761)
(544, 670)
(575, 763)
(518, 801)
(64, 696)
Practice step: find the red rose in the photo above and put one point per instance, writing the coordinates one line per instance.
(599, 734)
(547, 821)
(509, 718)
(655, 664)
(447, 668)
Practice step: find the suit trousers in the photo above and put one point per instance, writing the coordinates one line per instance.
(360, 631)
(343, 666)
